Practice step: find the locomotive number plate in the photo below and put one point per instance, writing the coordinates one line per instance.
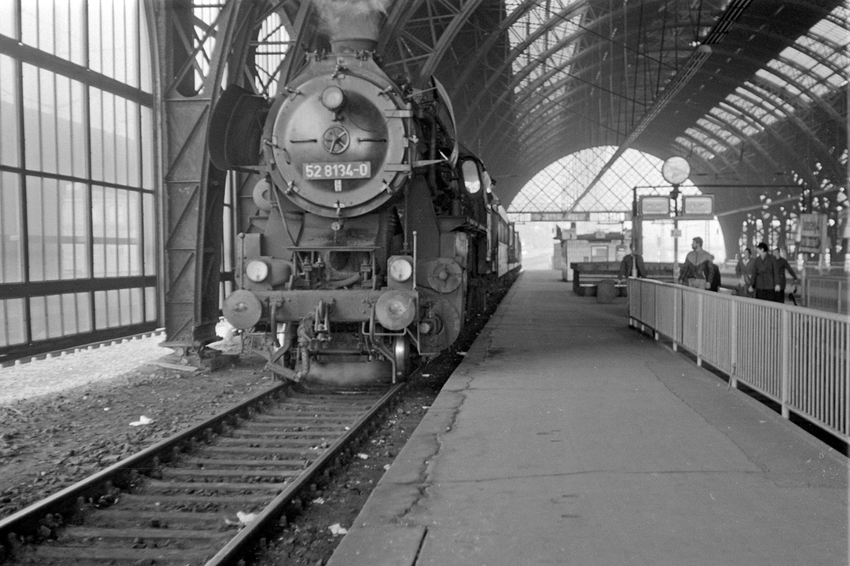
(348, 170)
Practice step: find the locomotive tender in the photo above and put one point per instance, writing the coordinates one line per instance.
(375, 233)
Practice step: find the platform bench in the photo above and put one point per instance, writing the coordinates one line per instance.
(587, 275)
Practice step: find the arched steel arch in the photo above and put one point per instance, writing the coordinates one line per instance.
(193, 189)
(192, 196)
(466, 43)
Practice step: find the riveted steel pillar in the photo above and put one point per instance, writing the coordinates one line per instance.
(192, 58)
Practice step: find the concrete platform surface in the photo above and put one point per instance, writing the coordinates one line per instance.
(565, 437)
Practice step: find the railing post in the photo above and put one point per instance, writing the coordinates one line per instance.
(655, 317)
(784, 346)
(846, 430)
(675, 319)
(733, 344)
(700, 297)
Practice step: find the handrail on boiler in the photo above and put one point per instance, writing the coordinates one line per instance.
(798, 357)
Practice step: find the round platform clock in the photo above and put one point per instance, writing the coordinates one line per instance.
(675, 170)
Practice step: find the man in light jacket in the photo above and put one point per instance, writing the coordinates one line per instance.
(698, 271)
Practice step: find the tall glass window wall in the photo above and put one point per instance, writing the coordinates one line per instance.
(77, 225)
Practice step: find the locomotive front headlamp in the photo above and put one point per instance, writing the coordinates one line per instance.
(333, 98)
(257, 271)
(400, 270)
(471, 178)
(395, 310)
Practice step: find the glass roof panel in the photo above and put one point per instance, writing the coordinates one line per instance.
(727, 115)
(556, 188)
(274, 42)
(833, 28)
(692, 147)
(721, 132)
(743, 100)
(706, 140)
(807, 71)
(779, 80)
(533, 62)
(771, 99)
(794, 55)
(816, 64)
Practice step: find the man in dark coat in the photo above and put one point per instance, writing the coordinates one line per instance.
(632, 264)
(782, 262)
(765, 275)
(744, 272)
(714, 284)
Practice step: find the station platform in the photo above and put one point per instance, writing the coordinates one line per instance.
(565, 437)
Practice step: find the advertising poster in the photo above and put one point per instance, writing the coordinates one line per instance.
(812, 232)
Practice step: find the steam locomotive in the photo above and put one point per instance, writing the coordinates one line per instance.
(375, 234)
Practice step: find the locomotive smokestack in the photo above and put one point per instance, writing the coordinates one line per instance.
(353, 25)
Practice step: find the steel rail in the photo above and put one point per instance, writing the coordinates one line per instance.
(27, 519)
(235, 549)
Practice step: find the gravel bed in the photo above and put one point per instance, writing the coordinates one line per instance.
(84, 366)
(64, 418)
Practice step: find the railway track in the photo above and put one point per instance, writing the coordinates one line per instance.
(205, 496)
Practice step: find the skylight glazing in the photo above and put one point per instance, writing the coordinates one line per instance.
(547, 46)
(730, 115)
(719, 131)
(816, 65)
(271, 53)
(742, 100)
(694, 148)
(706, 140)
(557, 187)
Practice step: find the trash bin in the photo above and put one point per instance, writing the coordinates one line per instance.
(606, 290)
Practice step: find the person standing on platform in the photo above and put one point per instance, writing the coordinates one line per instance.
(782, 263)
(632, 265)
(714, 283)
(765, 275)
(699, 268)
(744, 272)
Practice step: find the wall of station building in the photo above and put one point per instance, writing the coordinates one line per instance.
(77, 174)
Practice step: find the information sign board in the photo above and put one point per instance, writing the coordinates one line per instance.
(812, 233)
(655, 207)
(698, 205)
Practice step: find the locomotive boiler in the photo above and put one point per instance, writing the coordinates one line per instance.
(373, 234)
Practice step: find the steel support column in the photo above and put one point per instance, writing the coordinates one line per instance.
(190, 81)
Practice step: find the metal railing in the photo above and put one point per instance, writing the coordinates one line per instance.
(827, 293)
(798, 357)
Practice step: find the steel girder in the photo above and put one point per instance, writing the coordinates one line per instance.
(499, 91)
(420, 55)
(781, 145)
(193, 190)
(596, 21)
(465, 42)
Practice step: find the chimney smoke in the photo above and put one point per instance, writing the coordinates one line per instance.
(352, 25)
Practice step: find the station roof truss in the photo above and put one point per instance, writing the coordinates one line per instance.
(753, 94)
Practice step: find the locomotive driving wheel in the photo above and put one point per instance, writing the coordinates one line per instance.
(401, 356)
